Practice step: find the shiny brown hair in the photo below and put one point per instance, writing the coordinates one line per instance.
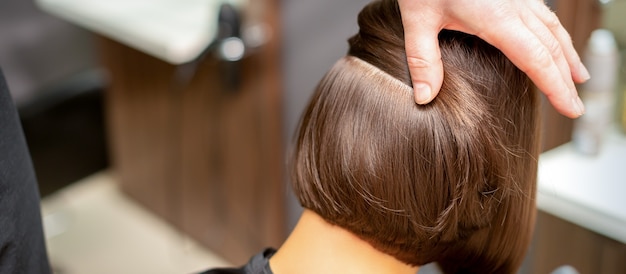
(452, 181)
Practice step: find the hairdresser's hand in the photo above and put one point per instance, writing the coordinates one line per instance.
(526, 31)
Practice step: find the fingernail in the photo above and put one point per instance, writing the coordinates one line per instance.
(584, 73)
(578, 106)
(422, 93)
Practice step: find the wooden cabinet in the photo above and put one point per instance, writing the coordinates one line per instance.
(205, 157)
(557, 242)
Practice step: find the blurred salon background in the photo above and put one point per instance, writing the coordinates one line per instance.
(159, 129)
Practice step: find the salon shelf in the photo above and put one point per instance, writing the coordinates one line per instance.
(171, 30)
(589, 191)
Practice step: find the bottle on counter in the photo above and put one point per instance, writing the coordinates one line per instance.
(602, 59)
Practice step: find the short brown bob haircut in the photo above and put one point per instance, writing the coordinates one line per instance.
(452, 181)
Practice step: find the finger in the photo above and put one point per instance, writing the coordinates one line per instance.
(529, 54)
(546, 37)
(422, 51)
(578, 71)
(553, 45)
(425, 66)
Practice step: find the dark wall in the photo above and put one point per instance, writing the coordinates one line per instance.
(52, 71)
(38, 51)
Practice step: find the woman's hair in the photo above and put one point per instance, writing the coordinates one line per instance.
(452, 181)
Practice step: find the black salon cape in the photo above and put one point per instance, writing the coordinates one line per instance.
(259, 264)
(22, 244)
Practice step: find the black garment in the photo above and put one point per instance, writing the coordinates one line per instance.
(259, 264)
(22, 245)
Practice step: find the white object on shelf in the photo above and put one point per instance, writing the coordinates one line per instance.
(176, 31)
(599, 93)
(589, 191)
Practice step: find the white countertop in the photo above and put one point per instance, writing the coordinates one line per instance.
(176, 31)
(589, 191)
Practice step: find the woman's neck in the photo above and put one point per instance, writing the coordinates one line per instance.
(315, 246)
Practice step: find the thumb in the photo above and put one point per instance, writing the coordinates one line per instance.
(424, 60)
